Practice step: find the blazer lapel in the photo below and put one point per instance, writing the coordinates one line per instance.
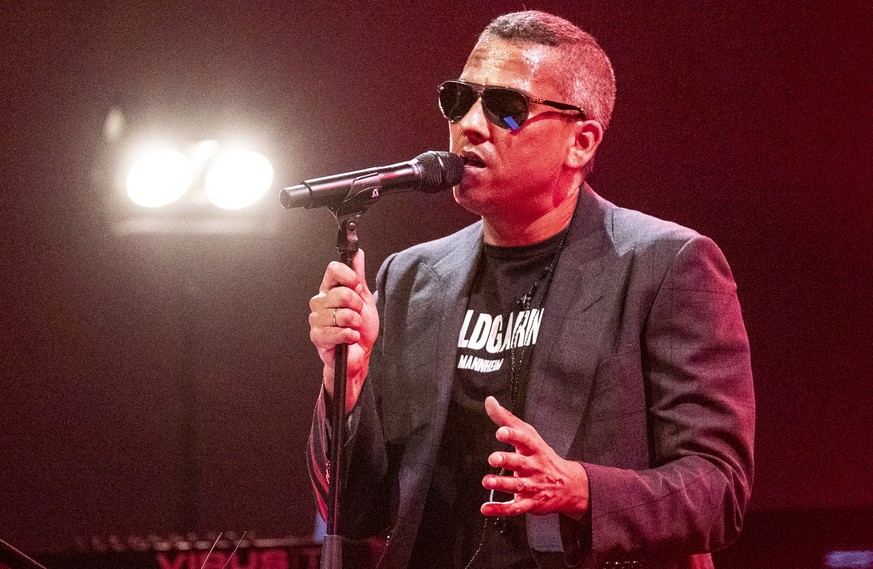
(554, 402)
(446, 291)
(455, 274)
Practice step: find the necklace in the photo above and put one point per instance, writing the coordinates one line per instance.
(524, 304)
(516, 358)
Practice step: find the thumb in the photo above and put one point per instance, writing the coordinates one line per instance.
(358, 264)
(500, 415)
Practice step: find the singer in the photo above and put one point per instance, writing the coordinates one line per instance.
(563, 383)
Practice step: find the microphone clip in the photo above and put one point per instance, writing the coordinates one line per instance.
(363, 193)
(348, 213)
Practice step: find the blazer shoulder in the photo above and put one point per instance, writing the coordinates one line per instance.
(450, 253)
(443, 246)
(668, 245)
(633, 230)
(462, 243)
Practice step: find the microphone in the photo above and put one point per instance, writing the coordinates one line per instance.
(429, 172)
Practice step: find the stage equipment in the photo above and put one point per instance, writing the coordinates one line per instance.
(160, 180)
(176, 552)
(348, 196)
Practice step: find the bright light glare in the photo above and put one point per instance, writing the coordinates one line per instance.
(238, 179)
(159, 178)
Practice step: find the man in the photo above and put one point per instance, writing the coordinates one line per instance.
(565, 383)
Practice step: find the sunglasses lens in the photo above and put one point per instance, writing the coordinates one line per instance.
(505, 107)
(456, 99)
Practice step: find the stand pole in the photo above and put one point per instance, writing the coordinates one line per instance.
(331, 550)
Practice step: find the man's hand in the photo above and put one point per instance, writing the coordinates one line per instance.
(543, 483)
(344, 312)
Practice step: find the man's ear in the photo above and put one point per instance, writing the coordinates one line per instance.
(587, 137)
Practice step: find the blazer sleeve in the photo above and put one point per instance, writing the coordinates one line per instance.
(700, 406)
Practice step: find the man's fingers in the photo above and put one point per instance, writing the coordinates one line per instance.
(340, 307)
(337, 317)
(500, 414)
(342, 287)
(338, 274)
(520, 439)
(512, 508)
(512, 430)
(513, 461)
(521, 503)
(341, 275)
(507, 484)
(337, 297)
(328, 337)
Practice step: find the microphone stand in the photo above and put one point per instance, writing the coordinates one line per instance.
(348, 215)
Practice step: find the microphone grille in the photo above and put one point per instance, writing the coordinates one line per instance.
(440, 170)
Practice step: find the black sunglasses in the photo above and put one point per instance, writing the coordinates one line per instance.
(506, 107)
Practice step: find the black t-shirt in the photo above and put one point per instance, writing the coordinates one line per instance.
(500, 326)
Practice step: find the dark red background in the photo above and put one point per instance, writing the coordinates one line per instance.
(164, 384)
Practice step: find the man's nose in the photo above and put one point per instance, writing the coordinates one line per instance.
(474, 125)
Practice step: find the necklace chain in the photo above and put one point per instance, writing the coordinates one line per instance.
(523, 303)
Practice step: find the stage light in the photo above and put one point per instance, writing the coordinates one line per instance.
(159, 178)
(238, 179)
(158, 175)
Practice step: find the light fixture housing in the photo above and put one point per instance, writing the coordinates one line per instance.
(155, 182)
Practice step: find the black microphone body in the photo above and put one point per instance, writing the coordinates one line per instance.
(429, 172)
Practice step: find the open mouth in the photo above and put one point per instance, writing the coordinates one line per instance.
(472, 160)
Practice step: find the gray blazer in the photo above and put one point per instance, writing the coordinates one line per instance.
(641, 372)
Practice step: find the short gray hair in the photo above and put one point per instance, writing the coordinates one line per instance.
(589, 81)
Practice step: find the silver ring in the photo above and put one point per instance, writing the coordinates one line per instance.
(334, 317)
(523, 485)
